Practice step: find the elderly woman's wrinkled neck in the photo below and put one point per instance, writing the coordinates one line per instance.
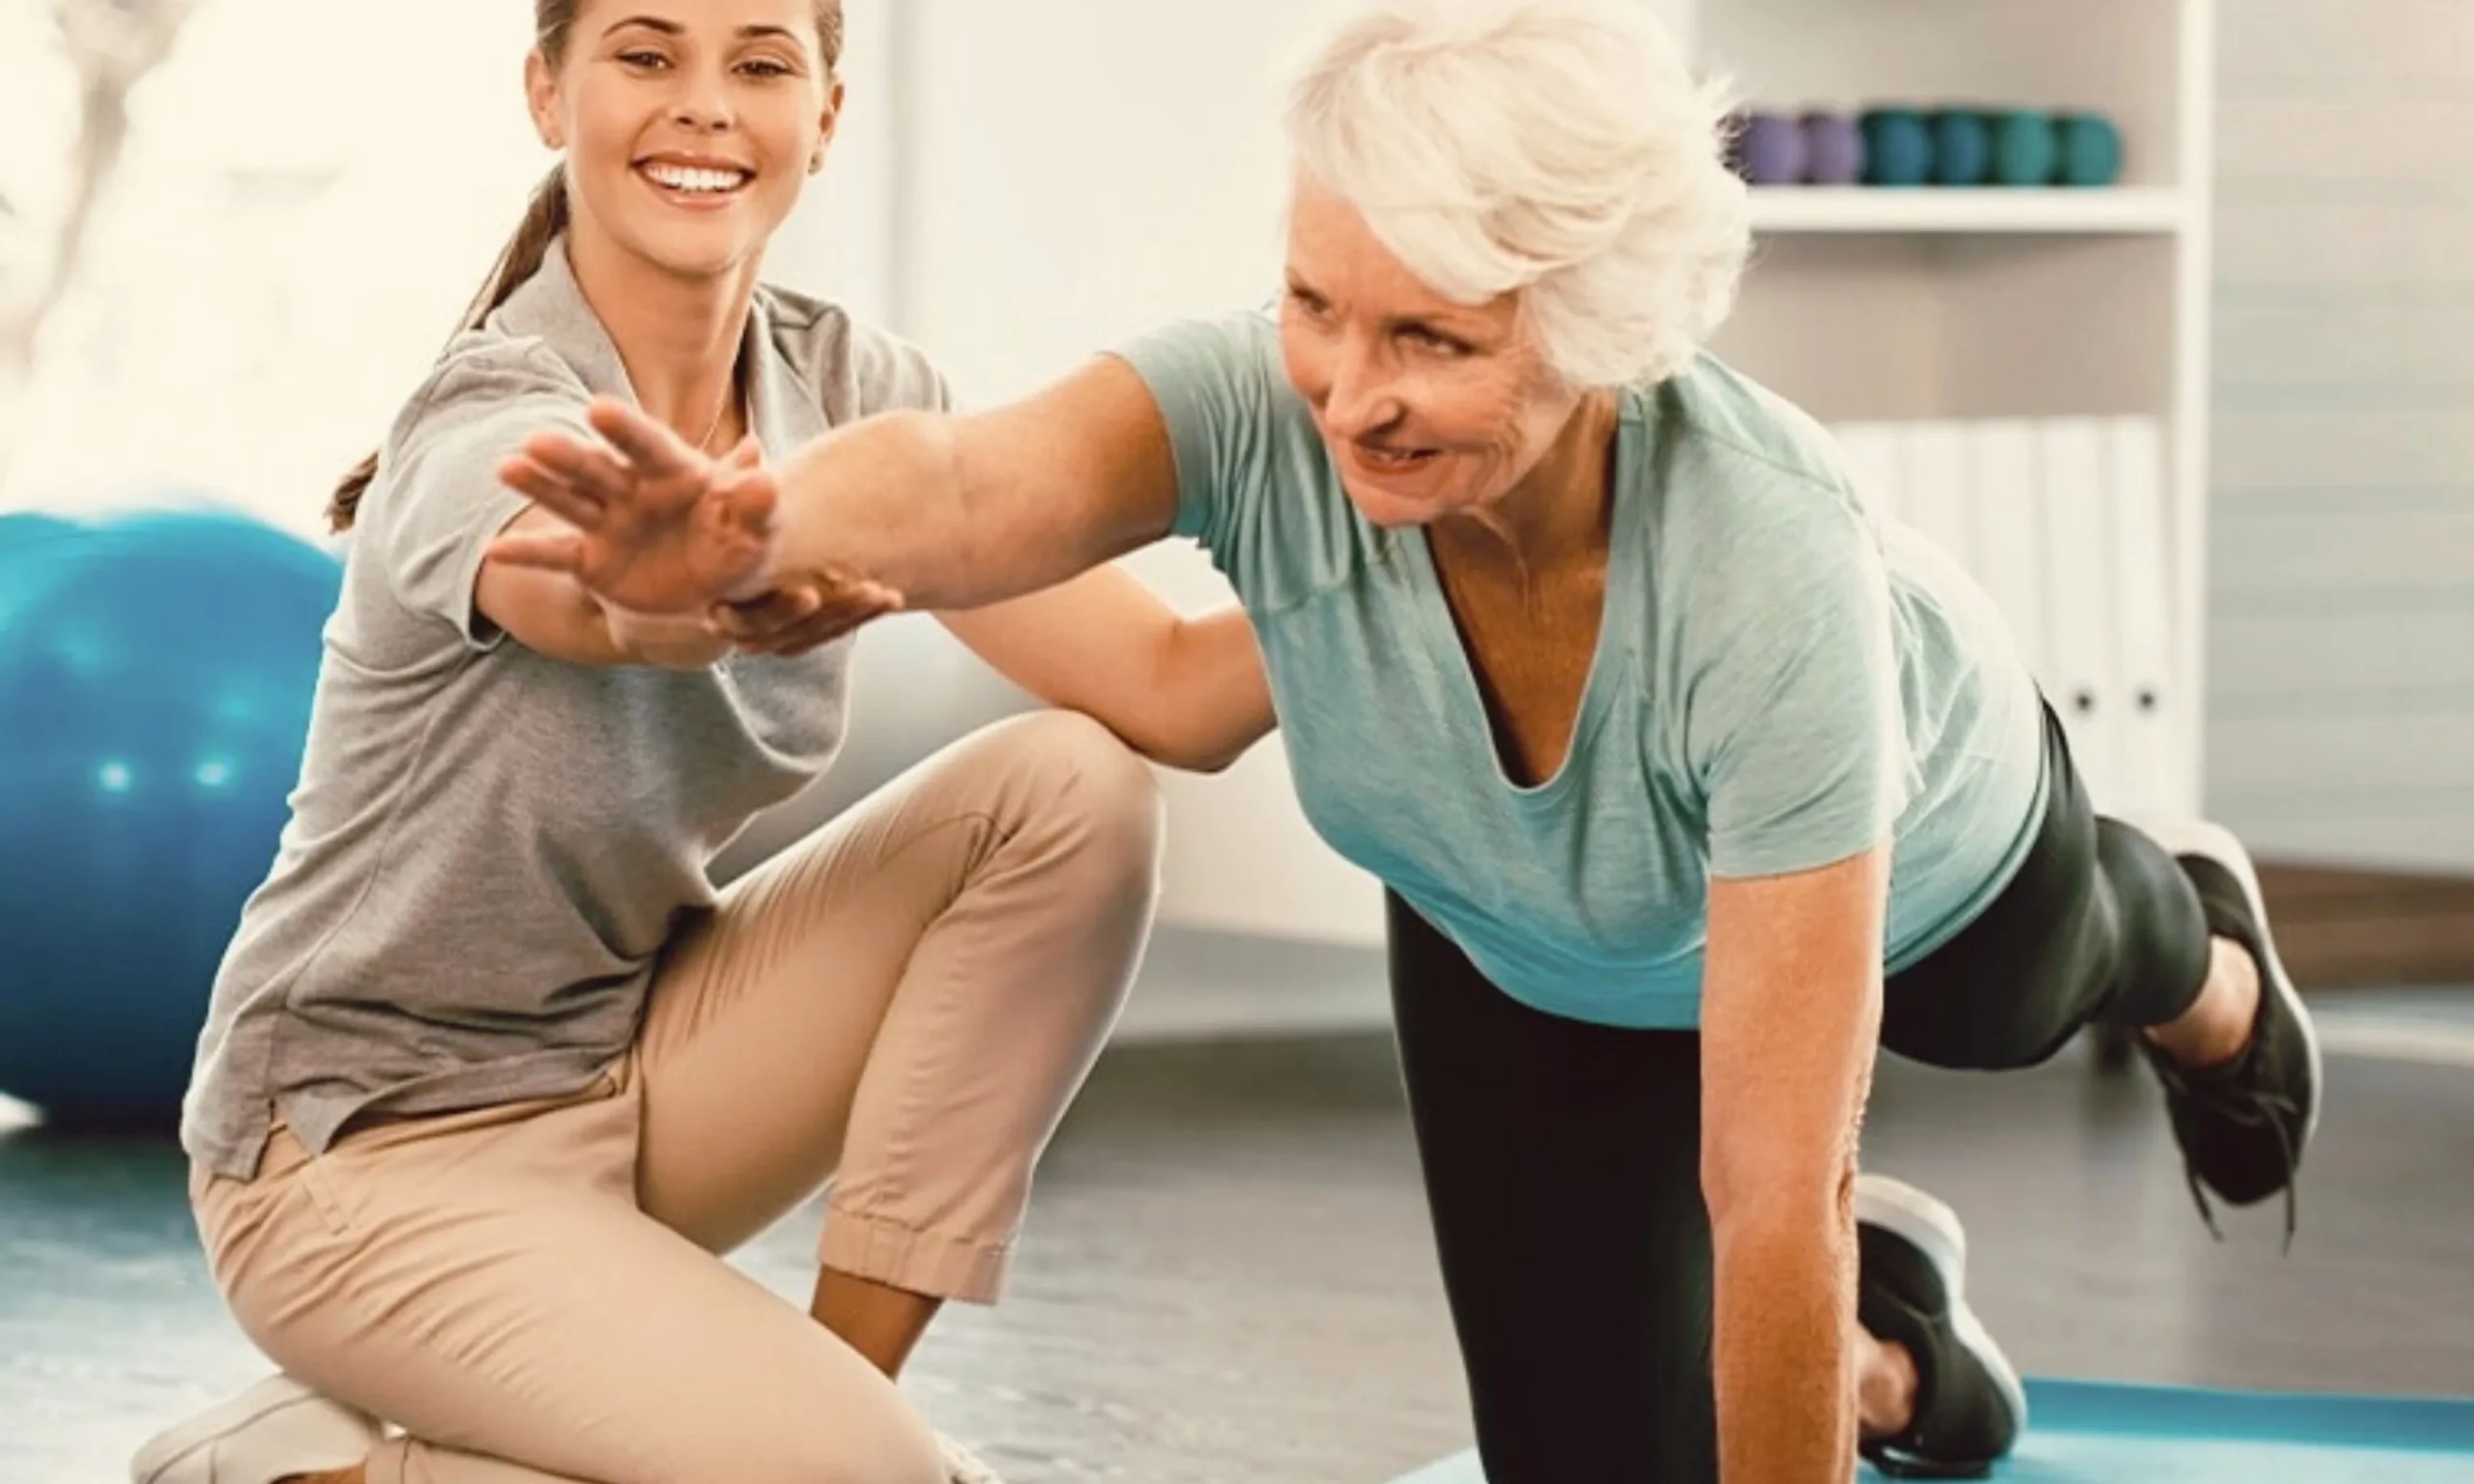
(1557, 515)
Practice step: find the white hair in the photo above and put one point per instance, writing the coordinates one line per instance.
(1557, 149)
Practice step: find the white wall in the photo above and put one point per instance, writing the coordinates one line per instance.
(2341, 656)
(290, 239)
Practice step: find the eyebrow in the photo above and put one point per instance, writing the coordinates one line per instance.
(674, 28)
(1434, 323)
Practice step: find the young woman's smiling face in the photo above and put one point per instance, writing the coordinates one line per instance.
(690, 126)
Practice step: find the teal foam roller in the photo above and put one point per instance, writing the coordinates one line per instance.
(2025, 147)
(2091, 150)
(1898, 146)
(1833, 149)
(1962, 146)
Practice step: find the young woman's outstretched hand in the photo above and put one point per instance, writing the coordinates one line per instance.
(661, 527)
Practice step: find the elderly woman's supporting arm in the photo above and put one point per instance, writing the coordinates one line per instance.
(1791, 1012)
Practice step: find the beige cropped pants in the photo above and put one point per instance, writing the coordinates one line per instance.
(903, 1004)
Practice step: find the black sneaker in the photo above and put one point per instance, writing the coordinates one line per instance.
(2242, 1127)
(1912, 1290)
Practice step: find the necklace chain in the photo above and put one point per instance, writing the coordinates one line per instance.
(721, 414)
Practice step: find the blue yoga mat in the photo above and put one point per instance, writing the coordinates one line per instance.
(2099, 1433)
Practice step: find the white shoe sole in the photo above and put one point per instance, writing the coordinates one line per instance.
(2215, 842)
(1934, 1229)
(176, 1446)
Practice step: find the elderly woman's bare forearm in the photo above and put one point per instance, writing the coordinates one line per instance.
(960, 511)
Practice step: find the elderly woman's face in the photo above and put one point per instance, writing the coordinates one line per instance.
(1429, 407)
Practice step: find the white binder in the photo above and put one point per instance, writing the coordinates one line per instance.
(2153, 714)
(2007, 537)
(1933, 487)
(2081, 596)
(1871, 452)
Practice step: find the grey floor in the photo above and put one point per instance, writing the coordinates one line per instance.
(1229, 1276)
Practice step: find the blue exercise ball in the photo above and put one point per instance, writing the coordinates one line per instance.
(156, 674)
(26, 538)
(22, 529)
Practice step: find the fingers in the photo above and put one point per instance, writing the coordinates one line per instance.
(649, 446)
(735, 524)
(748, 498)
(552, 492)
(551, 550)
(588, 466)
(807, 638)
(762, 618)
(640, 450)
(813, 632)
(794, 620)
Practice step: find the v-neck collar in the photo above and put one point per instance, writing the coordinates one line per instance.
(1620, 597)
(551, 307)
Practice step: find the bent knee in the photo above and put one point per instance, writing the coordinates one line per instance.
(1090, 780)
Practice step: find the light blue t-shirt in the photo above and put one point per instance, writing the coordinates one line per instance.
(1779, 684)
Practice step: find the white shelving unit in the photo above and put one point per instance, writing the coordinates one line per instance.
(1925, 302)
(1848, 209)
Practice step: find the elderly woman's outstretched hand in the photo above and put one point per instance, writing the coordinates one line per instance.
(661, 527)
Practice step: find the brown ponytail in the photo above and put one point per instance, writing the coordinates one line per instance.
(544, 218)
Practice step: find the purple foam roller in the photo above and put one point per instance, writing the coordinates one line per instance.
(1833, 149)
(1769, 149)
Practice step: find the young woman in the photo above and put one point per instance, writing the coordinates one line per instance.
(492, 1075)
(1691, 786)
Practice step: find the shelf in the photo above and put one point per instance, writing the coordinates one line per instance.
(2126, 210)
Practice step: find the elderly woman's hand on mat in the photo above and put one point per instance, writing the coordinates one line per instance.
(659, 527)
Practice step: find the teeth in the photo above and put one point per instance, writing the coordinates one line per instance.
(684, 178)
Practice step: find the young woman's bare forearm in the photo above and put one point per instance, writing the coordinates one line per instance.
(1217, 689)
(1185, 692)
(666, 641)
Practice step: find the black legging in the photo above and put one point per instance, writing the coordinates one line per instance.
(1561, 1158)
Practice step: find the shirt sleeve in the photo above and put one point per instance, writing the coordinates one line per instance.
(1796, 720)
(1214, 381)
(438, 501)
(891, 374)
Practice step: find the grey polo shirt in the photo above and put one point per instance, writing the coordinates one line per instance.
(489, 847)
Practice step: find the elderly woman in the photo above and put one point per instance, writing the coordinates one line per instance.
(1689, 784)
